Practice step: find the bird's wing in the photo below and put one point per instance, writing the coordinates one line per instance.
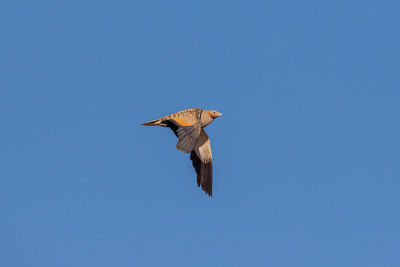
(187, 137)
(187, 126)
(201, 158)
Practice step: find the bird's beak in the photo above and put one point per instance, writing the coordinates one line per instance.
(216, 115)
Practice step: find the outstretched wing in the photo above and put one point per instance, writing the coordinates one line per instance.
(201, 158)
(186, 126)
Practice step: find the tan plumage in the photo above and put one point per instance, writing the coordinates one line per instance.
(188, 126)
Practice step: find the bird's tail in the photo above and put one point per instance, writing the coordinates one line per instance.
(157, 122)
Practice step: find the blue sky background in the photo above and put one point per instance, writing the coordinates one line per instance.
(306, 156)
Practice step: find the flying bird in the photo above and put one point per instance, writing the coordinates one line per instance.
(188, 125)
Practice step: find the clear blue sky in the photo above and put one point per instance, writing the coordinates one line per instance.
(306, 156)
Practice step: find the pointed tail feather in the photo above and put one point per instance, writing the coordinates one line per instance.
(157, 122)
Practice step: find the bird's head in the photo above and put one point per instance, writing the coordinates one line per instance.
(214, 114)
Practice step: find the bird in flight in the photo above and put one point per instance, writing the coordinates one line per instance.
(188, 125)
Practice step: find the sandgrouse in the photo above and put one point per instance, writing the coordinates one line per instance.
(188, 125)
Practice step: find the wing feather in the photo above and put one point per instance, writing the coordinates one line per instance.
(201, 158)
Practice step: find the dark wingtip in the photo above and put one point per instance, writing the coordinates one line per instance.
(208, 193)
(204, 173)
(207, 190)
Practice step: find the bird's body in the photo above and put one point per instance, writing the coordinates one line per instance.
(188, 126)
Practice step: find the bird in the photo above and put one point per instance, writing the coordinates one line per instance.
(188, 125)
